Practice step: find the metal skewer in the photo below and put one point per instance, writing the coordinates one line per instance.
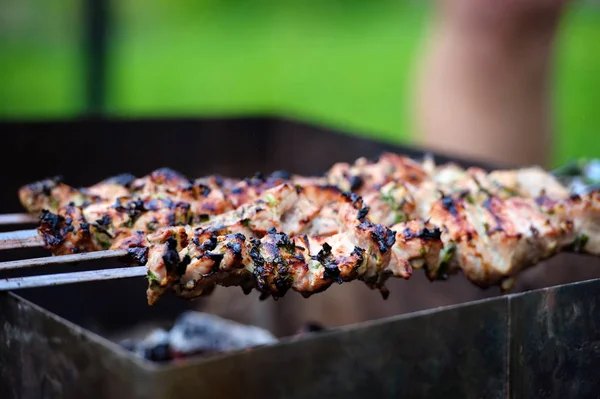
(17, 218)
(71, 278)
(20, 239)
(55, 260)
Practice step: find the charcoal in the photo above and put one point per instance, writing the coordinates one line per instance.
(310, 327)
(155, 347)
(195, 333)
(202, 332)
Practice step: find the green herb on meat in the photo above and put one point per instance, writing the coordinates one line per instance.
(445, 257)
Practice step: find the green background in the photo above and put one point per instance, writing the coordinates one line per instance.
(346, 64)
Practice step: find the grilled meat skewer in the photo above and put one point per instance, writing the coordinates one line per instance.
(371, 179)
(162, 202)
(393, 203)
(362, 177)
(117, 227)
(53, 194)
(488, 243)
(106, 223)
(166, 198)
(493, 241)
(194, 260)
(453, 237)
(365, 221)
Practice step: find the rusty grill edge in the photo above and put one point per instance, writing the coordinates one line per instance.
(543, 343)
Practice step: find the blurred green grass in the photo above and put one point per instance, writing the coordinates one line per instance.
(577, 93)
(345, 64)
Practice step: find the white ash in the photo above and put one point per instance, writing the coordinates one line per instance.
(195, 333)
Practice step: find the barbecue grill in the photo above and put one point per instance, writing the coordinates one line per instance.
(444, 339)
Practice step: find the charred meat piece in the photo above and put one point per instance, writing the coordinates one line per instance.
(490, 241)
(367, 221)
(494, 240)
(365, 176)
(193, 262)
(125, 222)
(51, 194)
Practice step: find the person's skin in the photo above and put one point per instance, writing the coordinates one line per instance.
(484, 83)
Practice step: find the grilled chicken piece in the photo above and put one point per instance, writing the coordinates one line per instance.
(494, 240)
(109, 222)
(69, 232)
(123, 223)
(395, 202)
(194, 261)
(530, 182)
(365, 176)
(584, 211)
(475, 185)
(285, 208)
(490, 242)
(52, 194)
(164, 183)
(114, 187)
(392, 204)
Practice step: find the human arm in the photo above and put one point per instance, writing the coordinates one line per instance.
(484, 83)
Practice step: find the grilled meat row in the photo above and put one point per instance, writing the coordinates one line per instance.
(442, 218)
(289, 248)
(162, 184)
(489, 238)
(105, 224)
(396, 188)
(362, 177)
(490, 242)
(120, 206)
